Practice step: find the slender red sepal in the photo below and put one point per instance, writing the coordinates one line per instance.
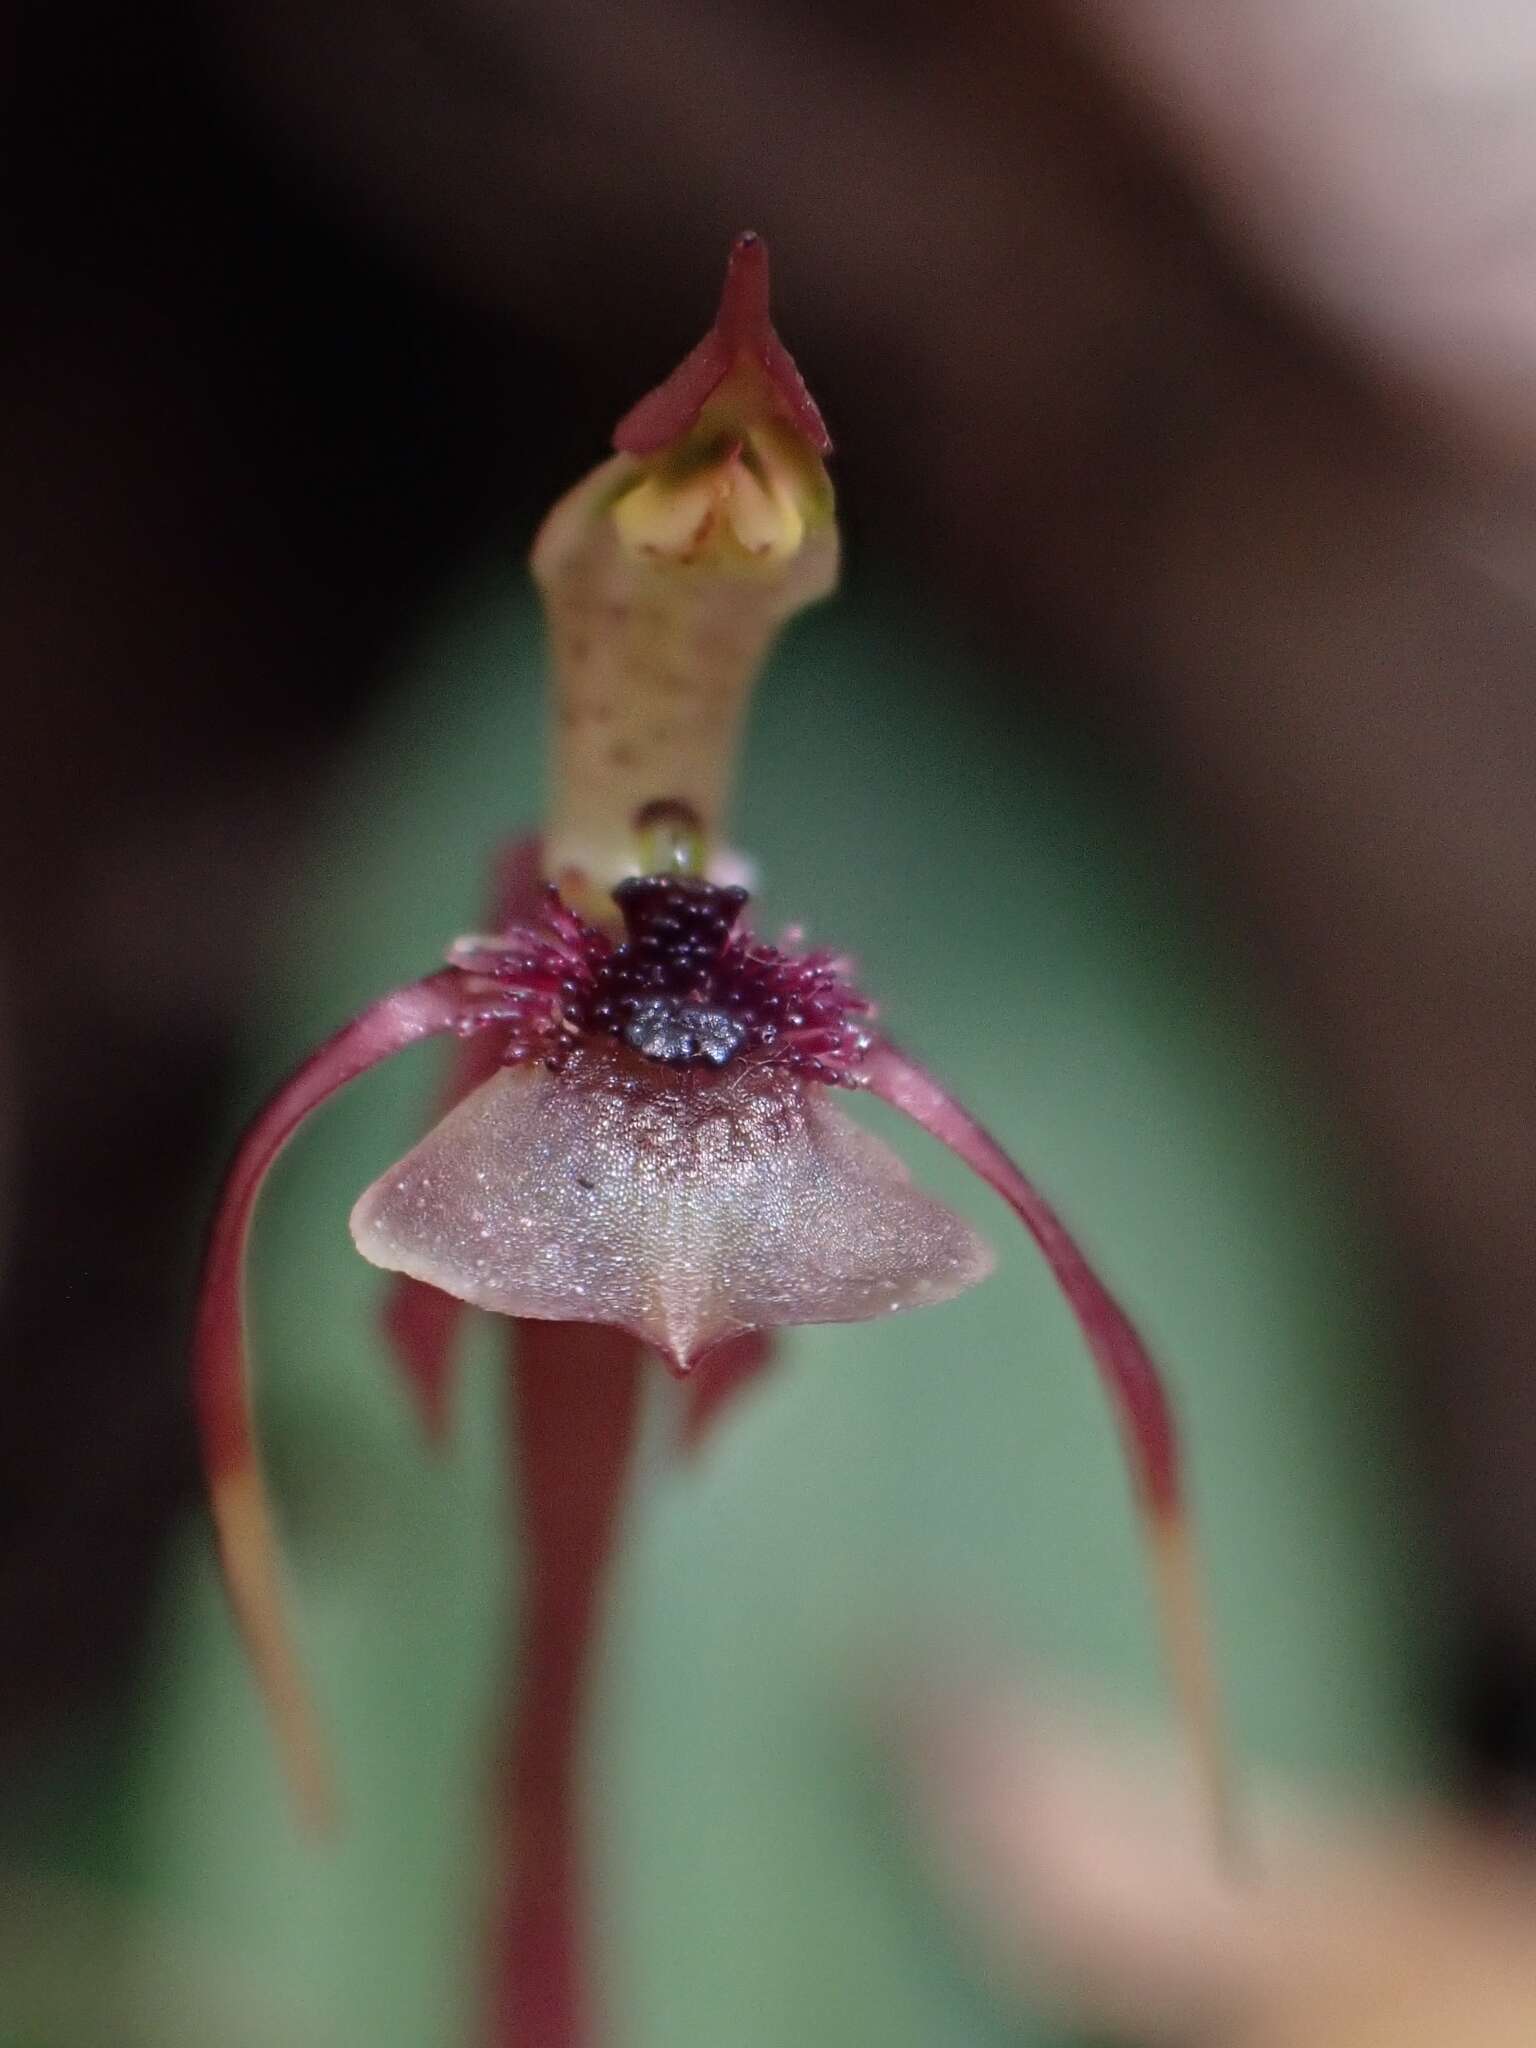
(1134, 1382)
(445, 1002)
(742, 334)
(1141, 1400)
(576, 1413)
(422, 1324)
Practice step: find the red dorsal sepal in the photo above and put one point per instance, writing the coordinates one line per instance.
(742, 341)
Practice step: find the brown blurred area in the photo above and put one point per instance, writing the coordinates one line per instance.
(1141, 345)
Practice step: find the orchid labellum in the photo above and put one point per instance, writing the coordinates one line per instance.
(649, 1133)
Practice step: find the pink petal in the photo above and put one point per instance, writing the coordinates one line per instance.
(686, 1206)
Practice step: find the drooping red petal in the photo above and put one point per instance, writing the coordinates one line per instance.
(422, 1324)
(443, 1002)
(743, 332)
(1141, 1400)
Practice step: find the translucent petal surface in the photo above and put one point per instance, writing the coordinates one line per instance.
(686, 1206)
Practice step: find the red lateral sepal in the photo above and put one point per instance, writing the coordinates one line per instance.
(449, 1001)
(1141, 1401)
(1134, 1382)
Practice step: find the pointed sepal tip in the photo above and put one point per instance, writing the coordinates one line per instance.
(742, 340)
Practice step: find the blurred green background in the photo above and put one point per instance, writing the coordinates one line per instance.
(894, 1496)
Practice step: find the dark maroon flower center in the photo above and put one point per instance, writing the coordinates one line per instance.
(684, 987)
(668, 989)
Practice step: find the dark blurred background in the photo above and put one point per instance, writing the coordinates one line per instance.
(1200, 358)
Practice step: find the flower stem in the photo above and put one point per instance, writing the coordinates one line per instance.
(576, 1410)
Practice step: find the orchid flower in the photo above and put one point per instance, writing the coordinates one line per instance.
(647, 1148)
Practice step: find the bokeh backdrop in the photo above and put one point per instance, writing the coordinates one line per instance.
(1184, 440)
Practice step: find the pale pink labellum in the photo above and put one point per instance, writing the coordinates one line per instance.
(687, 1206)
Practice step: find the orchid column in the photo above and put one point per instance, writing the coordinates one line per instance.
(665, 575)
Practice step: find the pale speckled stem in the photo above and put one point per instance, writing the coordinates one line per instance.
(652, 668)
